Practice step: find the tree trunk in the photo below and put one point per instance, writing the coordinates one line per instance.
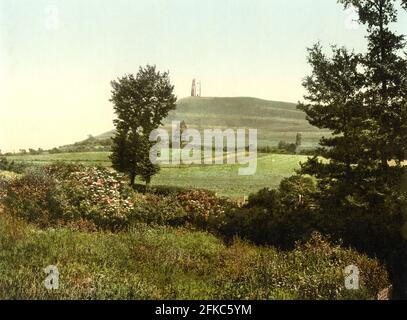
(148, 182)
(132, 179)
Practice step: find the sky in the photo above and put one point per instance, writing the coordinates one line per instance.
(57, 58)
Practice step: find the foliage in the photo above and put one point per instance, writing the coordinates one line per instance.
(168, 263)
(3, 187)
(288, 147)
(140, 103)
(157, 210)
(36, 197)
(11, 166)
(275, 217)
(86, 197)
(362, 99)
(204, 208)
(222, 179)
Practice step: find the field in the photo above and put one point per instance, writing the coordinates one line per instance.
(167, 263)
(111, 244)
(86, 158)
(223, 179)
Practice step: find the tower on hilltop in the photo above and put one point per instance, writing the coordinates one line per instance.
(196, 88)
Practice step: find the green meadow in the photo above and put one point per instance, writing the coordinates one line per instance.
(223, 179)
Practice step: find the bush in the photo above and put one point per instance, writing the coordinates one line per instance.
(36, 197)
(158, 210)
(16, 167)
(87, 199)
(314, 270)
(60, 194)
(101, 196)
(167, 190)
(265, 198)
(205, 210)
(274, 217)
(254, 224)
(3, 188)
(63, 170)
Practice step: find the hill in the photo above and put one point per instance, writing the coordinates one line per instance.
(275, 121)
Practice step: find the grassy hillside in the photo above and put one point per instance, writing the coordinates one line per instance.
(275, 121)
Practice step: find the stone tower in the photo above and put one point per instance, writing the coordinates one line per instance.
(196, 88)
(193, 89)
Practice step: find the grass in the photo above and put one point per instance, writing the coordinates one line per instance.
(7, 175)
(222, 179)
(163, 262)
(166, 263)
(86, 158)
(275, 121)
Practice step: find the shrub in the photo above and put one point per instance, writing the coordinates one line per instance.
(159, 210)
(296, 192)
(3, 188)
(87, 199)
(274, 217)
(63, 170)
(167, 190)
(205, 210)
(61, 194)
(12, 166)
(321, 258)
(37, 198)
(265, 198)
(101, 196)
(314, 270)
(254, 224)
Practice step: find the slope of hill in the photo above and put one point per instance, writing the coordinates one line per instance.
(275, 121)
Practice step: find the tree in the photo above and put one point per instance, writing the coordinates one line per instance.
(141, 102)
(362, 99)
(183, 128)
(54, 151)
(288, 147)
(298, 143)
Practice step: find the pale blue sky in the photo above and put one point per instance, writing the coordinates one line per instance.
(57, 58)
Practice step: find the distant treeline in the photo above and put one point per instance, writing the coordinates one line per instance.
(92, 144)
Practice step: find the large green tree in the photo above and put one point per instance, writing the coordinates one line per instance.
(141, 103)
(362, 99)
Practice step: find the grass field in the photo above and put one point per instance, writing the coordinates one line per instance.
(168, 263)
(86, 158)
(223, 179)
